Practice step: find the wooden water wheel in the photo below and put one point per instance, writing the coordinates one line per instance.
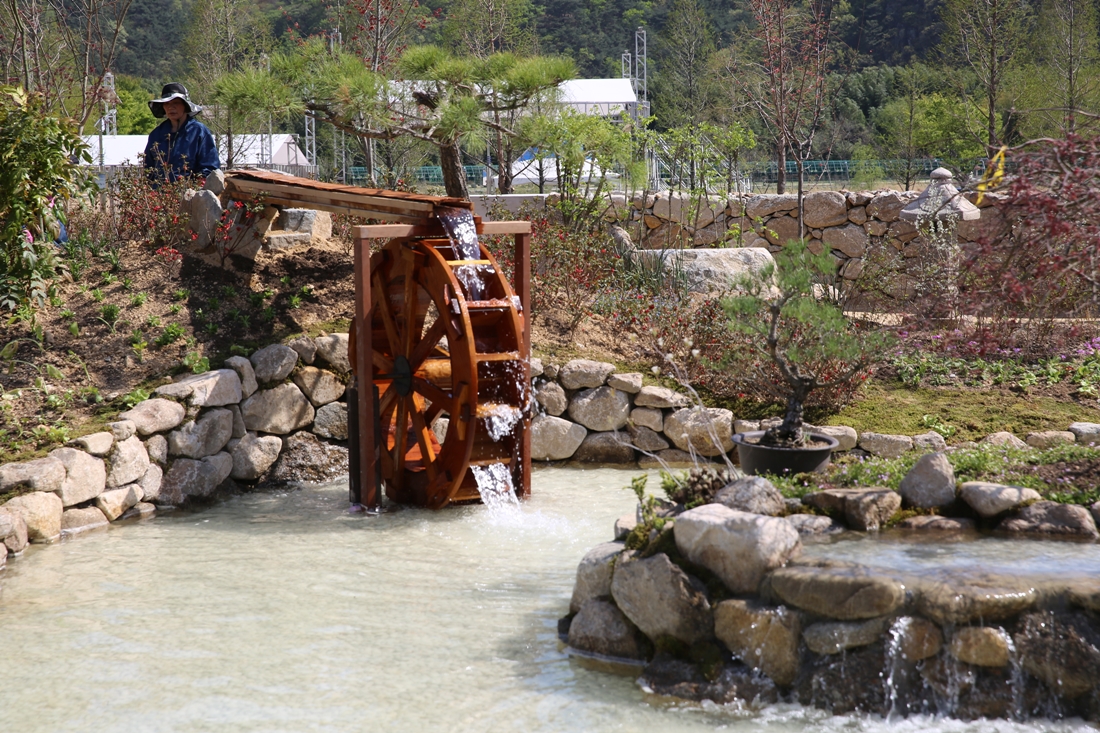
(439, 354)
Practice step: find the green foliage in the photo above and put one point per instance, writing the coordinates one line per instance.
(181, 294)
(132, 398)
(138, 299)
(39, 169)
(639, 537)
(172, 332)
(109, 314)
(197, 363)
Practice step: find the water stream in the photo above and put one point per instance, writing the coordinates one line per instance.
(280, 612)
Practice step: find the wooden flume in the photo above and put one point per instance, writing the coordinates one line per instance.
(432, 351)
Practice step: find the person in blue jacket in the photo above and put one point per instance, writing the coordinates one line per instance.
(181, 146)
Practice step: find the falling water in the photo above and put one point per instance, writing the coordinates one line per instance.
(460, 228)
(494, 483)
(500, 421)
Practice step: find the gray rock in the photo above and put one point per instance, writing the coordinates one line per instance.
(41, 474)
(331, 421)
(215, 182)
(846, 594)
(984, 599)
(98, 444)
(851, 239)
(833, 637)
(273, 363)
(76, 521)
(630, 383)
(938, 524)
(204, 437)
(319, 385)
(646, 440)
(982, 646)
(555, 439)
(85, 475)
(659, 397)
(584, 374)
(141, 510)
(707, 431)
(930, 441)
(253, 455)
(752, 494)
(150, 483)
(768, 204)
(552, 398)
(602, 408)
(154, 416)
(601, 628)
(157, 448)
(887, 205)
(648, 417)
(1044, 439)
(822, 209)
(745, 426)
(306, 348)
(245, 372)
(610, 447)
(929, 483)
(41, 511)
(536, 367)
(813, 524)
(281, 410)
(989, 499)
(1061, 650)
(205, 213)
(917, 638)
(764, 638)
(1048, 517)
(662, 600)
(847, 437)
(238, 421)
(188, 478)
(594, 574)
(718, 270)
(624, 525)
(333, 349)
(129, 462)
(885, 446)
(1003, 440)
(864, 509)
(736, 546)
(210, 389)
(1086, 433)
(122, 429)
(13, 531)
(114, 502)
(306, 458)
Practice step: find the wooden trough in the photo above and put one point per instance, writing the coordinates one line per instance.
(436, 354)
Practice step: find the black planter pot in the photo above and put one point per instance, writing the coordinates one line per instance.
(760, 459)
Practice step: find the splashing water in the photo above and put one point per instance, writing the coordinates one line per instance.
(460, 228)
(501, 420)
(494, 483)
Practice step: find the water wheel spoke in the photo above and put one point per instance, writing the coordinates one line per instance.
(412, 293)
(428, 342)
(423, 439)
(401, 439)
(382, 362)
(382, 304)
(434, 394)
(433, 411)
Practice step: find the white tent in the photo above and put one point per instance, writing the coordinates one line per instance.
(247, 149)
(604, 97)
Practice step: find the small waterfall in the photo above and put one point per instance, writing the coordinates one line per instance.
(494, 483)
(1016, 678)
(460, 228)
(893, 663)
(501, 420)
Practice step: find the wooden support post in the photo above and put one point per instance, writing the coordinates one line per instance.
(522, 286)
(365, 376)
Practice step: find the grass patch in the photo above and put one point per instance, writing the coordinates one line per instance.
(337, 325)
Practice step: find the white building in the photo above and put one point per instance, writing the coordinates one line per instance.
(247, 150)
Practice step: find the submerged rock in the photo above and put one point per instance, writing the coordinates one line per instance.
(601, 628)
(306, 458)
(1049, 517)
(732, 683)
(846, 594)
(765, 638)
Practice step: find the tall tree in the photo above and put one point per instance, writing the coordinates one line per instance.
(481, 28)
(684, 85)
(984, 37)
(1068, 58)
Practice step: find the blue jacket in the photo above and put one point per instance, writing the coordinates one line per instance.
(190, 151)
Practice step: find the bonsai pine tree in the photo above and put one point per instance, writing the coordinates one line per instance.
(797, 339)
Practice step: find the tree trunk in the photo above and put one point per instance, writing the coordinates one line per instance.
(454, 175)
(781, 171)
(801, 164)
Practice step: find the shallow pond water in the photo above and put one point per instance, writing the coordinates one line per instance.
(280, 612)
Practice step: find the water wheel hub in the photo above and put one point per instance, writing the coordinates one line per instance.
(402, 376)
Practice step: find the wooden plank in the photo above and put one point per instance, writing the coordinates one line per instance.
(522, 275)
(309, 183)
(398, 206)
(364, 375)
(463, 263)
(363, 213)
(433, 229)
(498, 356)
(505, 227)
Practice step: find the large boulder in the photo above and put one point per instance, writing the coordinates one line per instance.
(114, 502)
(768, 204)
(845, 594)
(834, 637)
(648, 417)
(552, 398)
(738, 547)
(150, 483)
(280, 410)
(659, 397)
(584, 374)
(780, 230)
(930, 442)
(602, 408)
(707, 431)
(273, 363)
(333, 349)
(982, 646)
(1086, 433)
(99, 444)
(884, 445)
(157, 448)
(319, 385)
(188, 478)
(129, 462)
(555, 439)
(1003, 439)
(662, 600)
(305, 458)
(601, 628)
(852, 239)
(930, 483)
(1049, 517)
(41, 474)
(13, 531)
(253, 455)
(41, 510)
(887, 205)
(752, 494)
(216, 388)
(989, 499)
(306, 348)
(1062, 650)
(631, 382)
(75, 521)
(762, 637)
(594, 574)
(645, 439)
(822, 209)
(122, 429)
(331, 421)
(245, 372)
(203, 437)
(85, 475)
(846, 436)
(981, 599)
(610, 447)
(714, 270)
(917, 638)
(1044, 439)
(154, 416)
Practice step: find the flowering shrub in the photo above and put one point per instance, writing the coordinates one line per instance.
(237, 228)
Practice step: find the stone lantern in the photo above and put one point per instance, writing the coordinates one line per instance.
(940, 201)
